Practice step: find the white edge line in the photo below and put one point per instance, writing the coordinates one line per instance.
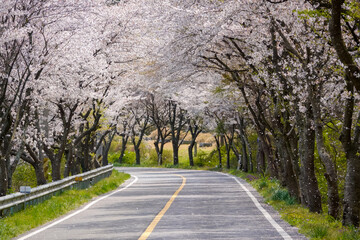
(278, 228)
(77, 212)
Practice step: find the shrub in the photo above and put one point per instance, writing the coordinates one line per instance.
(319, 232)
(166, 157)
(114, 157)
(352, 233)
(283, 195)
(263, 184)
(204, 159)
(128, 158)
(24, 175)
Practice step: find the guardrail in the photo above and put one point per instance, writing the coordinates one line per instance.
(15, 202)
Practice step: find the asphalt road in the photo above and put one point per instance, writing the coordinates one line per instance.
(206, 205)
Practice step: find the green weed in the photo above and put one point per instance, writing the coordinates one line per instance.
(282, 195)
(263, 184)
(319, 232)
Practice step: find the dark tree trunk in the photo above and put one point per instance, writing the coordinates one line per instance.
(175, 152)
(245, 157)
(56, 159)
(39, 172)
(138, 142)
(123, 147)
(308, 182)
(86, 154)
(194, 131)
(159, 149)
(195, 149)
(55, 170)
(177, 123)
(352, 190)
(330, 166)
(228, 140)
(159, 143)
(218, 148)
(160, 115)
(3, 177)
(227, 158)
(271, 166)
(69, 161)
(190, 151)
(287, 175)
(106, 149)
(350, 140)
(260, 158)
(14, 164)
(105, 154)
(137, 155)
(352, 70)
(37, 163)
(246, 162)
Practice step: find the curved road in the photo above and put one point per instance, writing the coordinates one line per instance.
(172, 204)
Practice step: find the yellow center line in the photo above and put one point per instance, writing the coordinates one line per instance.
(158, 217)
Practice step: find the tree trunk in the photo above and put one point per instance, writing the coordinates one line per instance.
(190, 150)
(136, 149)
(271, 167)
(69, 160)
(350, 140)
(194, 131)
(260, 158)
(175, 128)
(3, 177)
(107, 145)
(86, 154)
(55, 170)
(123, 148)
(14, 164)
(39, 172)
(239, 162)
(352, 190)
(105, 160)
(137, 154)
(336, 33)
(159, 149)
(195, 149)
(287, 176)
(245, 158)
(308, 183)
(245, 144)
(330, 166)
(218, 147)
(175, 152)
(227, 158)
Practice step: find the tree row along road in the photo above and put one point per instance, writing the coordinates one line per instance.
(173, 204)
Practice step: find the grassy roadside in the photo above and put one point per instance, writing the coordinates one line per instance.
(35, 216)
(312, 225)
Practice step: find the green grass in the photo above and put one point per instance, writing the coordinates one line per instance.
(37, 215)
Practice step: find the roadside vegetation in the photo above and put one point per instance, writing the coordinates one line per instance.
(312, 225)
(56, 206)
